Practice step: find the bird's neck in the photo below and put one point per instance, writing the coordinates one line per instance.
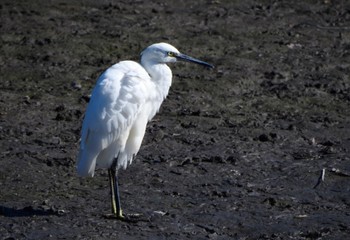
(161, 75)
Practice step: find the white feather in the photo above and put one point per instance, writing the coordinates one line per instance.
(127, 95)
(116, 117)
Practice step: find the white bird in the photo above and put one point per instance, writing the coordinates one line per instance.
(126, 96)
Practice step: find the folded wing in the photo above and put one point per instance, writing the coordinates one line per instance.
(117, 100)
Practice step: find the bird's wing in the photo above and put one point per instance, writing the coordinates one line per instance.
(115, 102)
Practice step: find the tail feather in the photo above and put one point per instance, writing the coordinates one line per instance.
(86, 164)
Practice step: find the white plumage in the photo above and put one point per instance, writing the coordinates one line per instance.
(120, 98)
(126, 96)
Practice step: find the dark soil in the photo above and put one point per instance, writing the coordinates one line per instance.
(235, 152)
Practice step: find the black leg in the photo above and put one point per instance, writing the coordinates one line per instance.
(117, 212)
(115, 199)
(111, 174)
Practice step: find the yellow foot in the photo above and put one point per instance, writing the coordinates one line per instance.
(115, 216)
(126, 218)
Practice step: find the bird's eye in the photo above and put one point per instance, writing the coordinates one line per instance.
(171, 54)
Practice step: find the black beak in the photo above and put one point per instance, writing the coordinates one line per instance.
(183, 57)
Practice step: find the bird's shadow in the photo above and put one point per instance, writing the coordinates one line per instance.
(27, 211)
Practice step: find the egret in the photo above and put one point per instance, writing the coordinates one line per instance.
(126, 96)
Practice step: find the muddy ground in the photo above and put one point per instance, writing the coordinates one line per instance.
(234, 153)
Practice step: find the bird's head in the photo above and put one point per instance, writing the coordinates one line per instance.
(165, 53)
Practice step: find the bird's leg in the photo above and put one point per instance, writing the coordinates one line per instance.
(111, 174)
(117, 212)
(117, 198)
(116, 206)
